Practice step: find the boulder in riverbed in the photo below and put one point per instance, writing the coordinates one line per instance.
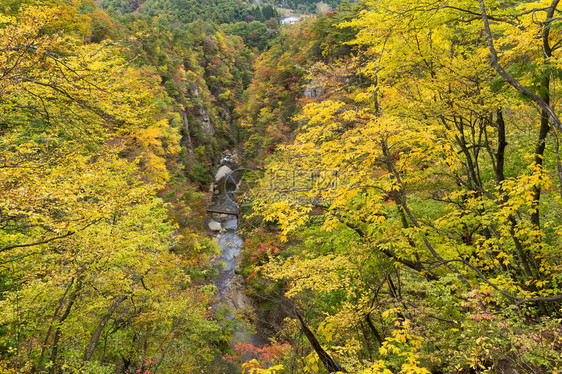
(214, 225)
(223, 172)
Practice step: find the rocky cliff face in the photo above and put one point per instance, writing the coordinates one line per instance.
(313, 90)
(204, 116)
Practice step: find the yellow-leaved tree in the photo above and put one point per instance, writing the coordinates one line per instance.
(427, 184)
(89, 281)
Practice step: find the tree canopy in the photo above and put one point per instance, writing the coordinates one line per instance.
(420, 198)
(93, 278)
(403, 186)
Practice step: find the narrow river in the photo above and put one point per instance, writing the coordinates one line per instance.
(223, 222)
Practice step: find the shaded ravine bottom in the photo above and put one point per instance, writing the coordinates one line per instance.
(231, 286)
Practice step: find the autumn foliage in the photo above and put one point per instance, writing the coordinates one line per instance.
(421, 207)
(91, 276)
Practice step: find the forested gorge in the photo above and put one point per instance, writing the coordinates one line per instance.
(402, 185)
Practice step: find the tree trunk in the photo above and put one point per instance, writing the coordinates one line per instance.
(89, 352)
(326, 359)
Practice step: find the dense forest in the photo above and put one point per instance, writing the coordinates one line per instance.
(186, 11)
(402, 186)
(309, 6)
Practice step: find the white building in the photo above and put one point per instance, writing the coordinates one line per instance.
(289, 20)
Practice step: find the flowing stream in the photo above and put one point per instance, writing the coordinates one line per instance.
(231, 245)
(223, 222)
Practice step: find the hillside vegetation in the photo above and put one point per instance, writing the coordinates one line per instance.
(409, 209)
(403, 185)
